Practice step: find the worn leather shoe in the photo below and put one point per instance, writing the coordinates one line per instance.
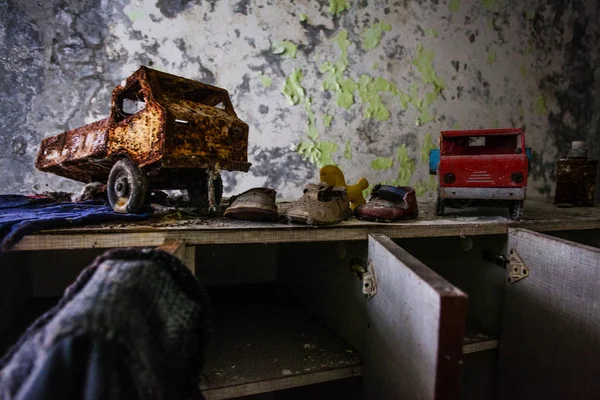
(320, 205)
(388, 204)
(256, 204)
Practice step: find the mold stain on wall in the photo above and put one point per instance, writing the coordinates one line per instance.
(366, 85)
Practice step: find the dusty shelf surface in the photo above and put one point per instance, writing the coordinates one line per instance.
(264, 342)
(538, 216)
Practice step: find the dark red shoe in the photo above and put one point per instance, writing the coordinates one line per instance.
(388, 204)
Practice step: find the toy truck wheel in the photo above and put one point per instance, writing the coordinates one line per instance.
(516, 210)
(127, 187)
(440, 205)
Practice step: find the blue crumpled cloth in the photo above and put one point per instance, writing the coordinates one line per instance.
(23, 215)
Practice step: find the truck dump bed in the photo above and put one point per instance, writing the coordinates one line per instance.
(77, 154)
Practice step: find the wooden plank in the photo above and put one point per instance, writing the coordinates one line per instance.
(189, 258)
(178, 248)
(539, 216)
(416, 325)
(264, 341)
(174, 247)
(550, 342)
(282, 383)
(475, 342)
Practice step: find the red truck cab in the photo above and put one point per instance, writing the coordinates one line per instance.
(482, 165)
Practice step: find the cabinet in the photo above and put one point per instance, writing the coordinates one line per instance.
(444, 322)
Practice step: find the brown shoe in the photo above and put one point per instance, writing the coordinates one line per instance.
(388, 204)
(256, 204)
(321, 204)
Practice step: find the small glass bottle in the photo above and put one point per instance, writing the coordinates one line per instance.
(576, 178)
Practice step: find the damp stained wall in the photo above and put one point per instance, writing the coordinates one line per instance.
(365, 84)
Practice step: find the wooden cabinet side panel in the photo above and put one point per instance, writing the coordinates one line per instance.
(416, 324)
(550, 342)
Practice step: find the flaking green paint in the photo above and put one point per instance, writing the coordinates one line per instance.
(369, 90)
(341, 39)
(135, 14)
(524, 72)
(372, 35)
(303, 17)
(454, 5)
(382, 163)
(431, 32)
(319, 153)
(421, 104)
(491, 58)
(540, 106)
(423, 61)
(312, 120)
(292, 87)
(336, 7)
(425, 117)
(284, 48)
(428, 145)
(348, 151)
(406, 167)
(489, 4)
(265, 80)
(315, 151)
(425, 186)
(334, 79)
(327, 120)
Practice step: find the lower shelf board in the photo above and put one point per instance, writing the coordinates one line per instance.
(477, 341)
(260, 346)
(262, 342)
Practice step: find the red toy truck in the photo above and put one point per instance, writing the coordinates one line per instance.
(488, 165)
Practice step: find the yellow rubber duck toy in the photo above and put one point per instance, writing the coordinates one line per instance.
(332, 175)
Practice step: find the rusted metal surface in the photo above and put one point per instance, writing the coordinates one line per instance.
(78, 154)
(576, 182)
(176, 124)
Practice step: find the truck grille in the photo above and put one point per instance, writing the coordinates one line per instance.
(480, 177)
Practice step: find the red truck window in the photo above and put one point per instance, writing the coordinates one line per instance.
(481, 145)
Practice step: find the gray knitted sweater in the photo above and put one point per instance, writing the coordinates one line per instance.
(146, 303)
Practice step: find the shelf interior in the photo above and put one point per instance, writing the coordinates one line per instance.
(264, 341)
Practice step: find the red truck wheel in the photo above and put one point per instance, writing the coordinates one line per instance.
(127, 187)
(440, 205)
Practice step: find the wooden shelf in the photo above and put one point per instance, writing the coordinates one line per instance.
(539, 216)
(477, 341)
(263, 342)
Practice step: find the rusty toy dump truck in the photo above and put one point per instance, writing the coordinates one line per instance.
(163, 132)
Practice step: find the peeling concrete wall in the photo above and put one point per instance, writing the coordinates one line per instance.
(365, 84)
